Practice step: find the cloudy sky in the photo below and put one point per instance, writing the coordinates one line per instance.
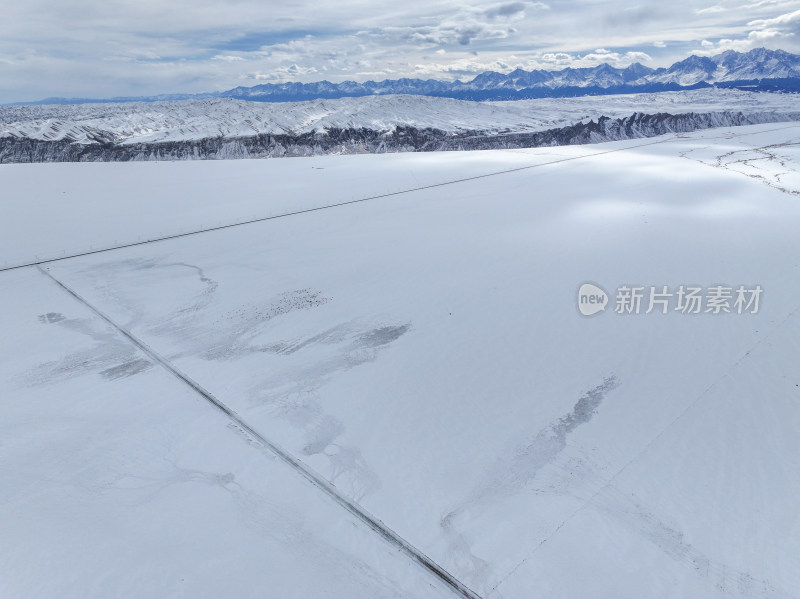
(105, 48)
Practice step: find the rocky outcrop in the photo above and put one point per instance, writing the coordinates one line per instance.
(363, 140)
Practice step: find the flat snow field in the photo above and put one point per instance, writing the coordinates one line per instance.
(403, 378)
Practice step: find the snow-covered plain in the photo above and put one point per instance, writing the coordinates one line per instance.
(138, 122)
(423, 352)
(131, 202)
(117, 482)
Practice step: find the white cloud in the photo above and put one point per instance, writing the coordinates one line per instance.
(709, 10)
(785, 20)
(283, 73)
(614, 58)
(98, 48)
(780, 31)
(557, 58)
(512, 10)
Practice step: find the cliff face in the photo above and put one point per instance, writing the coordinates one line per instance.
(364, 140)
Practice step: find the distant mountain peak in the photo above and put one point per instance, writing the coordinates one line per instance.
(724, 69)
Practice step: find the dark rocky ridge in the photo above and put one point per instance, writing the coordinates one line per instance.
(361, 141)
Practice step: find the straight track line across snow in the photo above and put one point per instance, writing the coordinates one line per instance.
(376, 197)
(329, 206)
(315, 479)
(367, 199)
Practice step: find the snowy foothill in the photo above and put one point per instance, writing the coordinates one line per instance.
(421, 352)
(176, 121)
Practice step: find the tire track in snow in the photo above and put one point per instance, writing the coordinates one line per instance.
(251, 221)
(654, 528)
(315, 479)
(672, 138)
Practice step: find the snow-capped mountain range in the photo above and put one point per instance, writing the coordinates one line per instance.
(757, 69)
